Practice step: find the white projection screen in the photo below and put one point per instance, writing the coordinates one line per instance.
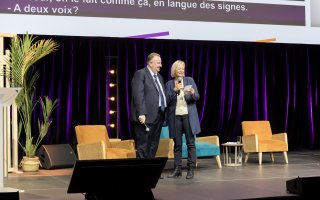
(280, 21)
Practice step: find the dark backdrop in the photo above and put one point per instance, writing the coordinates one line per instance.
(236, 80)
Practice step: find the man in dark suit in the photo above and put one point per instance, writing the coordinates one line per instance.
(147, 106)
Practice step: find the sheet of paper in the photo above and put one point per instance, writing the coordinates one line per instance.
(187, 87)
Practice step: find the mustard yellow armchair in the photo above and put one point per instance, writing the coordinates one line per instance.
(94, 143)
(165, 148)
(258, 138)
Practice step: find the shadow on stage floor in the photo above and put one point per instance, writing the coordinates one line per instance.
(249, 181)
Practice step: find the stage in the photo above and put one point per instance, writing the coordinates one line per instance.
(249, 181)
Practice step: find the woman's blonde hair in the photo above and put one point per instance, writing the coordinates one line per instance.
(174, 67)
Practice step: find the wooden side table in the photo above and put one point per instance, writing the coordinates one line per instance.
(232, 158)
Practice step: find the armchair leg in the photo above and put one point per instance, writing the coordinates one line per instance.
(260, 157)
(247, 157)
(272, 157)
(285, 157)
(218, 161)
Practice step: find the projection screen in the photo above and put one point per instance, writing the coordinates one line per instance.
(281, 21)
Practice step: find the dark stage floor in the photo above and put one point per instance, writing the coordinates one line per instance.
(249, 181)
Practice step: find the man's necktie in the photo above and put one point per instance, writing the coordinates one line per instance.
(161, 94)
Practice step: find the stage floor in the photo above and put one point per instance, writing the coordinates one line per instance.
(249, 181)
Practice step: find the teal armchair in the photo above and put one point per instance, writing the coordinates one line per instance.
(207, 146)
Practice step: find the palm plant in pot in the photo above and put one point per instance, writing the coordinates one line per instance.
(25, 51)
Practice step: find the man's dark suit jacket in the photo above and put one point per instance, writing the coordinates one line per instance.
(145, 96)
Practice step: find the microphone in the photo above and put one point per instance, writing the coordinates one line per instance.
(147, 128)
(179, 81)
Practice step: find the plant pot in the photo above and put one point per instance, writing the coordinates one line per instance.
(30, 164)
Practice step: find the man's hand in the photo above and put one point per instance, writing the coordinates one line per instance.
(142, 119)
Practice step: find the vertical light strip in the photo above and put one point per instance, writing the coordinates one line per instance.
(204, 96)
(255, 86)
(108, 81)
(240, 106)
(309, 100)
(70, 96)
(88, 85)
(128, 83)
(294, 84)
(264, 86)
(288, 89)
(223, 90)
(231, 86)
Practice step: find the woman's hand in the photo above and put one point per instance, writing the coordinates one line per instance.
(189, 90)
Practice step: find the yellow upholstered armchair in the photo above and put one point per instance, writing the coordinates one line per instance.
(94, 143)
(258, 138)
(165, 148)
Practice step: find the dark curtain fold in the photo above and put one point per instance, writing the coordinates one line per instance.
(236, 80)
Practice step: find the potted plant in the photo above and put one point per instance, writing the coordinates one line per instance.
(25, 51)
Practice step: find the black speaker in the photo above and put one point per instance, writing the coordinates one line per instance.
(9, 195)
(304, 185)
(131, 178)
(56, 156)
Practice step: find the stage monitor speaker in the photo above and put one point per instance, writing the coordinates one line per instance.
(304, 185)
(56, 156)
(116, 178)
(6, 195)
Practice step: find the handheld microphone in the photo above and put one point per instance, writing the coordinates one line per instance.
(179, 82)
(147, 128)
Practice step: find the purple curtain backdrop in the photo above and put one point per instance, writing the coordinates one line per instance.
(236, 80)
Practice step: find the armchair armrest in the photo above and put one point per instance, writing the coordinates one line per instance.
(280, 136)
(209, 139)
(123, 144)
(89, 151)
(250, 143)
(165, 148)
(114, 140)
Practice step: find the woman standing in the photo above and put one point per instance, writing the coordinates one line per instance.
(182, 95)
